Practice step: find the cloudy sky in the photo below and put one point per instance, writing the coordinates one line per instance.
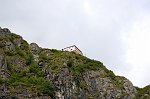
(115, 32)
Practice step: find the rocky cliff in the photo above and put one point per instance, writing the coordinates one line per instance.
(29, 71)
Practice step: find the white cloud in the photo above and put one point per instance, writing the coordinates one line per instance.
(87, 7)
(138, 51)
(92, 25)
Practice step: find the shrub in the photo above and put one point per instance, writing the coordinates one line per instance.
(1, 80)
(14, 78)
(32, 78)
(70, 63)
(25, 54)
(33, 68)
(24, 45)
(110, 74)
(9, 53)
(28, 58)
(13, 36)
(54, 50)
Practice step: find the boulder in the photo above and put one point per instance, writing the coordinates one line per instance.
(9, 46)
(4, 32)
(34, 48)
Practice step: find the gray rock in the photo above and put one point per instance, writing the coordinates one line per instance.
(18, 41)
(2, 62)
(86, 85)
(34, 48)
(98, 87)
(4, 32)
(9, 46)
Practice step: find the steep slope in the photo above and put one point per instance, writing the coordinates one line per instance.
(28, 71)
(143, 93)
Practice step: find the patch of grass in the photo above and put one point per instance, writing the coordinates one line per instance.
(143, 93)
(24, 45)
(32, 78)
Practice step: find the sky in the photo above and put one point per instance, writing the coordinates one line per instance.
(115, 32)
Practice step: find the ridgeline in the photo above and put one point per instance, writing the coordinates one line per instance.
(29, 71)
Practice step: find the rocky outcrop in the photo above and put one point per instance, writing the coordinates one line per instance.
(3, 73)
(143, 93)
(9, 46)
(91, 85)
(4, 32)
(34, 48)
(29, 71)
(18, 41)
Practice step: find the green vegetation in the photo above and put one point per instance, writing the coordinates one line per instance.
(2, 43)
(143, 93)
(32, 78)
(77, 64)
(1, 80)
(26, 74)
(13, 36)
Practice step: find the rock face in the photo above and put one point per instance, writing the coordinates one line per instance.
(28, 71)
(143, 93)
(92, 86)
(34, 48)
(4, 32)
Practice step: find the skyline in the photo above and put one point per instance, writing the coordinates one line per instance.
(112, 31)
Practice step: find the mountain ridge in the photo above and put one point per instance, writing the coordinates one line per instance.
(29, 71)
